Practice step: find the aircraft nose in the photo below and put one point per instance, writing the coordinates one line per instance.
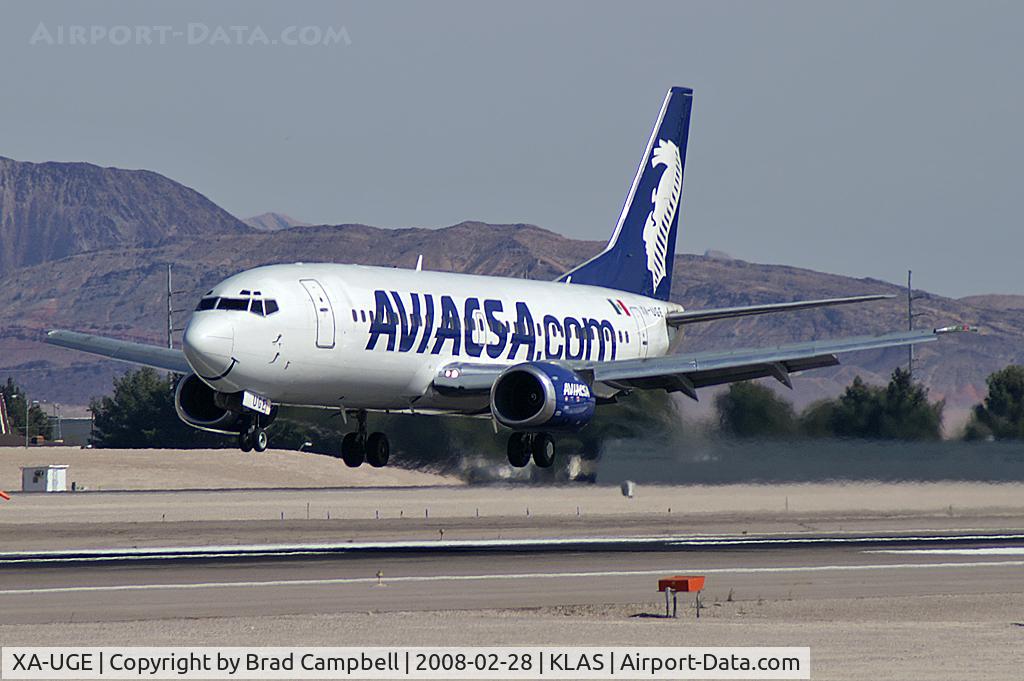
(208, 343)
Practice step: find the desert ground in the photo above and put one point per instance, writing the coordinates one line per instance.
(142, 469)
(864, 613)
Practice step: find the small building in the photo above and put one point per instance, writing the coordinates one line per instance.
(45, 478)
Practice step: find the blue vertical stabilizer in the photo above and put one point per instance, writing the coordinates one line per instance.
(639, 256)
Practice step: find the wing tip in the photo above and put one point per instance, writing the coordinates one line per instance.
(955, 328)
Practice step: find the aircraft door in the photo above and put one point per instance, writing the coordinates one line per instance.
(325, 328)
(642, 329)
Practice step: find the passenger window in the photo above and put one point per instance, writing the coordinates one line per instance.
(362, 315)
(355, 317)
(270, 306)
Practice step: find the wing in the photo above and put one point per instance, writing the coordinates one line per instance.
(125, 351)
(714, 314)
(687, 372)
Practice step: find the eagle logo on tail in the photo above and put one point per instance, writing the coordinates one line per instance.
(665, 200)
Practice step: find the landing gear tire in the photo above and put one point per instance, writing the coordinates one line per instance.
(245, 441)
(353, 450)
(518, 449)
(260, 440)
(543, 449)
(378, 450)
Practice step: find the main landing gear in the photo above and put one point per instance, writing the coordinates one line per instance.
(358, 447)
(253, 436)
(523, 446)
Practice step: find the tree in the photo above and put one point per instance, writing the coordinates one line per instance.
(900, 411)
(1001, 415)
(749, 409)
(857, 412)
(14, 398)
(817, 419)
(906, 412)
(140, 414)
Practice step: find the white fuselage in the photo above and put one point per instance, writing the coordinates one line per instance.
(375, 338)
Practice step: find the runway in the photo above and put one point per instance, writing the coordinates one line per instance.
(898, 581)
(485, 579)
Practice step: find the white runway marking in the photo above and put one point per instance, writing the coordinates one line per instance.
(991, 551)
(496, 577)
(293, 550)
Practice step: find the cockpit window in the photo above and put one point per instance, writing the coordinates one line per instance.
(233, 304)
(207, 304)
(257, 306)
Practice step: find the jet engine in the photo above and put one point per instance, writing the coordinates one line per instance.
(541, 396)
(202, 407)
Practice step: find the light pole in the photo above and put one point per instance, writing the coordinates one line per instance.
(56, 418)
(28, 405)
(911, 315)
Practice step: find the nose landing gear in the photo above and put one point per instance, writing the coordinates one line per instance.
(253, 437)
(523, 446)
(358, 447)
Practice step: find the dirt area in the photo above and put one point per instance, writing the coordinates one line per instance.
(459, 501)
(931, 637)
(968, 637)
(175, 518)
(145, 469)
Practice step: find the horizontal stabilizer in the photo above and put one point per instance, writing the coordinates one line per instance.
(715, 314)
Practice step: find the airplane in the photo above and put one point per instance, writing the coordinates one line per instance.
(537, 357)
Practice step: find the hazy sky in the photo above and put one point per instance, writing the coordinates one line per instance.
(860, 138)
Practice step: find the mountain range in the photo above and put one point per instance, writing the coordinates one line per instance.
(86, 248)
(272, 222)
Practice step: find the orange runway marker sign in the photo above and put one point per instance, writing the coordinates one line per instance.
(681, 584)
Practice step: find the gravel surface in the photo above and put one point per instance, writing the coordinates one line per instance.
(928, 637)
(145, 469)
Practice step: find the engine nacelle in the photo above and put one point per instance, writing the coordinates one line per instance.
(541, 396)
(202, 407)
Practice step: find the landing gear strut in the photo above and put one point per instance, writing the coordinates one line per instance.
(523, 446)
(358, 447)
(253, 436)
